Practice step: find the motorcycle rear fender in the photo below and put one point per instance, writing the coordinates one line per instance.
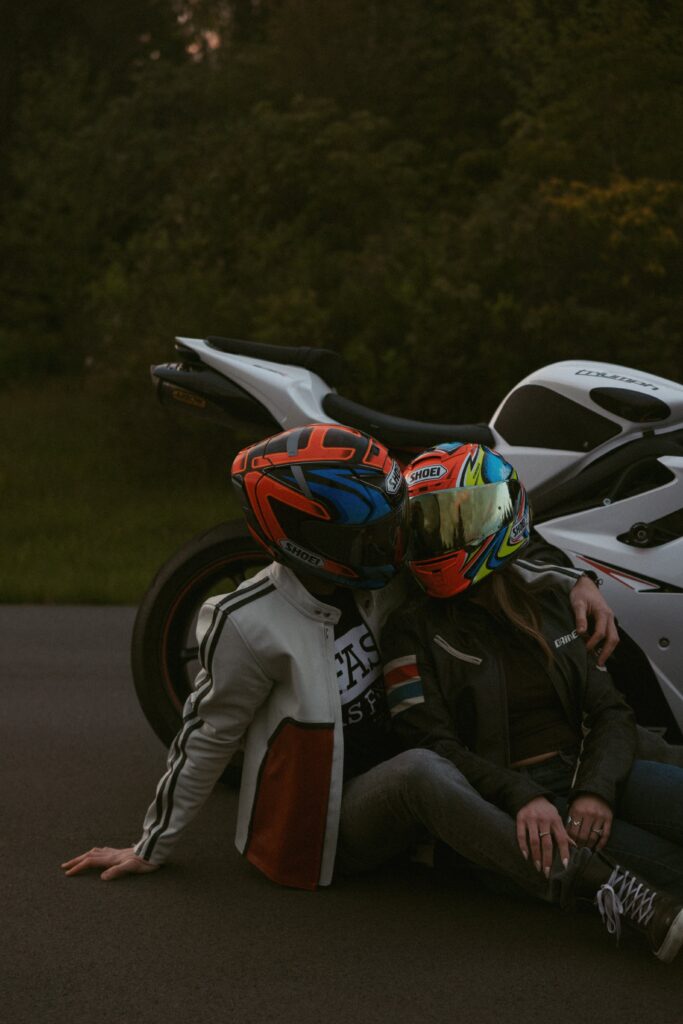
(291, 394)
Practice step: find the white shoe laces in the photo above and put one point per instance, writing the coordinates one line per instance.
(623, 893)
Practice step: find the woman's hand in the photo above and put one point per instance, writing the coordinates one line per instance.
(538, 824)
(590, 821)
(587, 602)
(115, 862)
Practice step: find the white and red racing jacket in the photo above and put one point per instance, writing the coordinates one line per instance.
(268, 684)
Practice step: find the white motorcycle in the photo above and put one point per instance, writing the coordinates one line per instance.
(598, 446)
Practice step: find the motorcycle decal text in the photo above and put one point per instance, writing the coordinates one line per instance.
(616, 376)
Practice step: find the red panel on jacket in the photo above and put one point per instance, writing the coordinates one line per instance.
(290, 809)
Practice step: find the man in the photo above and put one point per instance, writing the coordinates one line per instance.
(290, 671)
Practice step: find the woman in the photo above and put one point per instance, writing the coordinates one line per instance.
(488, 671)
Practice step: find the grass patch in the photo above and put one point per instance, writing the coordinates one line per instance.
(99, 488)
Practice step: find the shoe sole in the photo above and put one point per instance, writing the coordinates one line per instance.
(672, 943)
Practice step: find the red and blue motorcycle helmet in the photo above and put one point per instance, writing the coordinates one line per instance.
(469, 516)
(326, 500)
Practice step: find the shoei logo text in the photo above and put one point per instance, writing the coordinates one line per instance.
(560, 641)
(393, 480)
(615, 376)
(520, 530)
(301, 554)
(427, 473)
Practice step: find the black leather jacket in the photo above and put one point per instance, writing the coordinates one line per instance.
(447, 692)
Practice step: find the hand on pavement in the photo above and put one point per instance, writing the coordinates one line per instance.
(116, 863)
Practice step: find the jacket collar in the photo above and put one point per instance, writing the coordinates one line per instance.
(374, 603)
(293, 590)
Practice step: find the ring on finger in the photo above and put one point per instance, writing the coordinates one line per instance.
(598, 831)
(574, 822)
(542, 835)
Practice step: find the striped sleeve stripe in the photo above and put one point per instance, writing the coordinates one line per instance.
(403, 684)
(539, 569)
(177, 757)
(225, 608)
(191, 720)
(172, 777)
(405, 696)
(399, 670)
(237, 599)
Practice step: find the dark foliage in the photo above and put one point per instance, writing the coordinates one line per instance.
(449, 194)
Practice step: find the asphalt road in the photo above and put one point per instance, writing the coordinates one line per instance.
(207, 938)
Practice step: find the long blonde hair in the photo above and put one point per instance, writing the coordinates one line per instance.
(507, 596)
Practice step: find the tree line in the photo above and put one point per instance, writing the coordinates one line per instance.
(451, 194)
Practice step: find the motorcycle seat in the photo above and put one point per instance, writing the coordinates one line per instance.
(397, 432)
(393, 431)
(327, 364)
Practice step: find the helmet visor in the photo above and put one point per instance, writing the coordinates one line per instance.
(378, 544)
(445, 521)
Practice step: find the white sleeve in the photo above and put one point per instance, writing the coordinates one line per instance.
(228, 690)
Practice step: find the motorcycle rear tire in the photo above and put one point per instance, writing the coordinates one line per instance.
(163, 641)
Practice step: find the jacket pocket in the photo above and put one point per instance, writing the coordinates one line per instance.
(471, 659)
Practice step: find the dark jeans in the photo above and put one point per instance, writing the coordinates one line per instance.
(416, 794)
(647, 831)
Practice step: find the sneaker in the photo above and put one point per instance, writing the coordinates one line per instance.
(657, 915)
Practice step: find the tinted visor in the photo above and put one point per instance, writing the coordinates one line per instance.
(446, 521)
(381, 543)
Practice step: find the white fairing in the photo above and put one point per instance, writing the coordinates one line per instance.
(537, 466)
(574, 379)
(633, 577)
(291, 394)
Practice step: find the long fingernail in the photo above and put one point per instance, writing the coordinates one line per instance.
(525, 855)
(538, 865)
(546, 872)
(565, 862)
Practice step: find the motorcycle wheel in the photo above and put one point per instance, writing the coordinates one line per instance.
(164, 646)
